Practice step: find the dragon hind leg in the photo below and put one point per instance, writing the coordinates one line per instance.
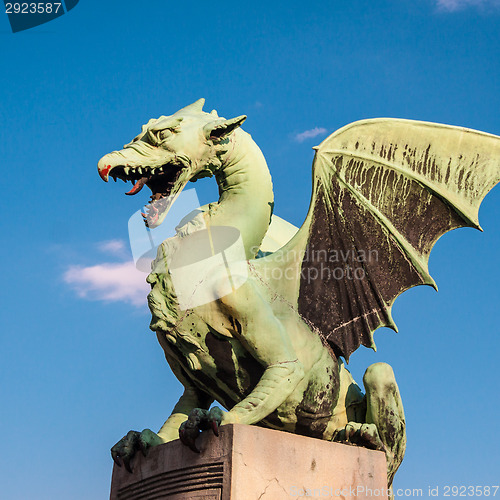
(376, 420)
(384, 409)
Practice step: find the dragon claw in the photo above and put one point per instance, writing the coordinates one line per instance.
(215, 417)
(188, 434)
(215, 428)
(199, 420)
(126, 463)
(359, 434)
(143, 448)
(124, 451)
(350, 431)
(114, 456)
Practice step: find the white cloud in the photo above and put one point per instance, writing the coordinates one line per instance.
(114, 247)
(454, 5)
(109, 282)
(309, 134)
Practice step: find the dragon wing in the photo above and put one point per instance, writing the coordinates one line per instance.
(384, 191)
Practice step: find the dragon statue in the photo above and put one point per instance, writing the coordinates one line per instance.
(269, 351)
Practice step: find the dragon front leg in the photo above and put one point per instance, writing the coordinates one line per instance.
(265, 338)
(276, 384)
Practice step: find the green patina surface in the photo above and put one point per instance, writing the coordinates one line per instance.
(384, 191)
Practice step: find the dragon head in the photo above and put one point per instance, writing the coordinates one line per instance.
(169, 152)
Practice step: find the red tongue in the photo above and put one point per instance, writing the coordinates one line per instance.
(138, 186)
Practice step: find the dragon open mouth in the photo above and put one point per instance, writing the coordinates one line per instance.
(165, 182)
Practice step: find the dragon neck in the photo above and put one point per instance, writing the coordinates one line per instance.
(245, 192)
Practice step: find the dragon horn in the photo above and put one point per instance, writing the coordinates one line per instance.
(219, 130)
(196, 107)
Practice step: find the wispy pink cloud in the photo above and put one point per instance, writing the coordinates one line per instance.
(109, 282)
(309, 134)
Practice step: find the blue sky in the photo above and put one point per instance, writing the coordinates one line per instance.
(79, 366)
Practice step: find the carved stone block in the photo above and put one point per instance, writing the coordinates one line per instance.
(247, 463)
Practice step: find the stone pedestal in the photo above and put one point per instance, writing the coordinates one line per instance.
(251, 463)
